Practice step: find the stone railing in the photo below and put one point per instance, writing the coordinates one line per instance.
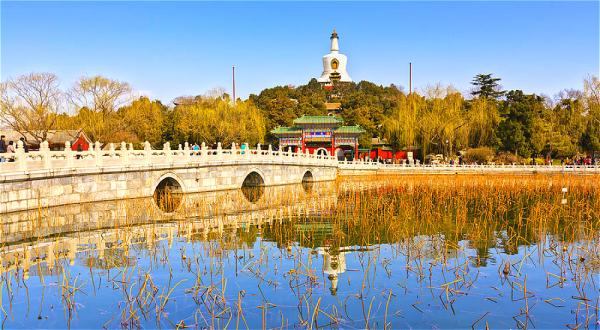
(125, 156)
(416, 167)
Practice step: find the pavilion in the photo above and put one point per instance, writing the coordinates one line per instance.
(323, 135)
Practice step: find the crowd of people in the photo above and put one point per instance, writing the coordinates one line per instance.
(7, 150)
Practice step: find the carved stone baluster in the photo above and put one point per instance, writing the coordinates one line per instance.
(131, 153)
(233, 151)
(124, 154)
(46, 156)
(203, 152)
(186, 152)
(98, 154)
(68, 152)
(168, 152)
(111, 150)
(219, 151)
(20, 157)
(147, 153)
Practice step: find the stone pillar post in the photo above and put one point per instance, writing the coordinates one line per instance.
(299, 155)
(45, 152)
(124, 154)
(203, 150)
(270, 152)
(111, 150)
(68, 154)
(233, 151)
(98, 154)
(168, 153)
(248, 151)
(147, 153)
(186, 152)
(20, 158)
(258, 149)
(219, 151)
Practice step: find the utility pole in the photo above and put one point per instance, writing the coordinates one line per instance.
(409, 78)
(233, 82)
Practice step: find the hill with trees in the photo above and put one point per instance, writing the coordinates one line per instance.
(438, 119)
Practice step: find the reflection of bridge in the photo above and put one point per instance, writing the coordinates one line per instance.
(102, 234)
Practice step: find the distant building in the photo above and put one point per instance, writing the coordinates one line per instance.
(333, 108)
(56, 139)
(334, 64)
(381, 149)
(320, 135)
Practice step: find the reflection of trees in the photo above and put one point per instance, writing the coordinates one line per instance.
(112, 258)
(431, 220)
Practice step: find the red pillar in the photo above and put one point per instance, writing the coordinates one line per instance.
(355, 148)
(333, 144)
(303, 144)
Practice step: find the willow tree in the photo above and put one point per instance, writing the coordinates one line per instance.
(400, 127)
(144, 120)
(211, 121)
(482, 118)
(441, 126)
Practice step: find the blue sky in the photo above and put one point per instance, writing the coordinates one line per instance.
(168, 49)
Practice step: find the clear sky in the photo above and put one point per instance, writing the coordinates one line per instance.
(168, 49)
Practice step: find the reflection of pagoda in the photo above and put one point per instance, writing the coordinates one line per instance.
(334, 263)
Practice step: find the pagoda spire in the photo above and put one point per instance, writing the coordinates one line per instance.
(334, 42)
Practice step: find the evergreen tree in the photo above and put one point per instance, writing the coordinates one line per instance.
(486, 86)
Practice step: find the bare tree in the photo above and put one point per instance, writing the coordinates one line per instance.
(100, 94)
(28, 104)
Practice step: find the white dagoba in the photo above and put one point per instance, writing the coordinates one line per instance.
(334, 64)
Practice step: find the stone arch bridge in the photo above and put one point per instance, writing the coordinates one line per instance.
(49, 178)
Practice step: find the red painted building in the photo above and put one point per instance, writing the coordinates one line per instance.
(320, 135)
(382, 150)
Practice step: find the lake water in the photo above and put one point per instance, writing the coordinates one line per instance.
(391, 252)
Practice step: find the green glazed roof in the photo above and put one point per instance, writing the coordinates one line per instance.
(318, 120)
(286, 130)
(350, 130)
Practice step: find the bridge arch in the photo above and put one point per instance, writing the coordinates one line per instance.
(308, 176)
(167, 192)
(254, 178)
(169, 178)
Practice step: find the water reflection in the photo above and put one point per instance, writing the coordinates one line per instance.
(343, 248)
(253, 194)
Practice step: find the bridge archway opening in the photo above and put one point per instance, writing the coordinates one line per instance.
(168, 194)
(308, 181)
(253, 187)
